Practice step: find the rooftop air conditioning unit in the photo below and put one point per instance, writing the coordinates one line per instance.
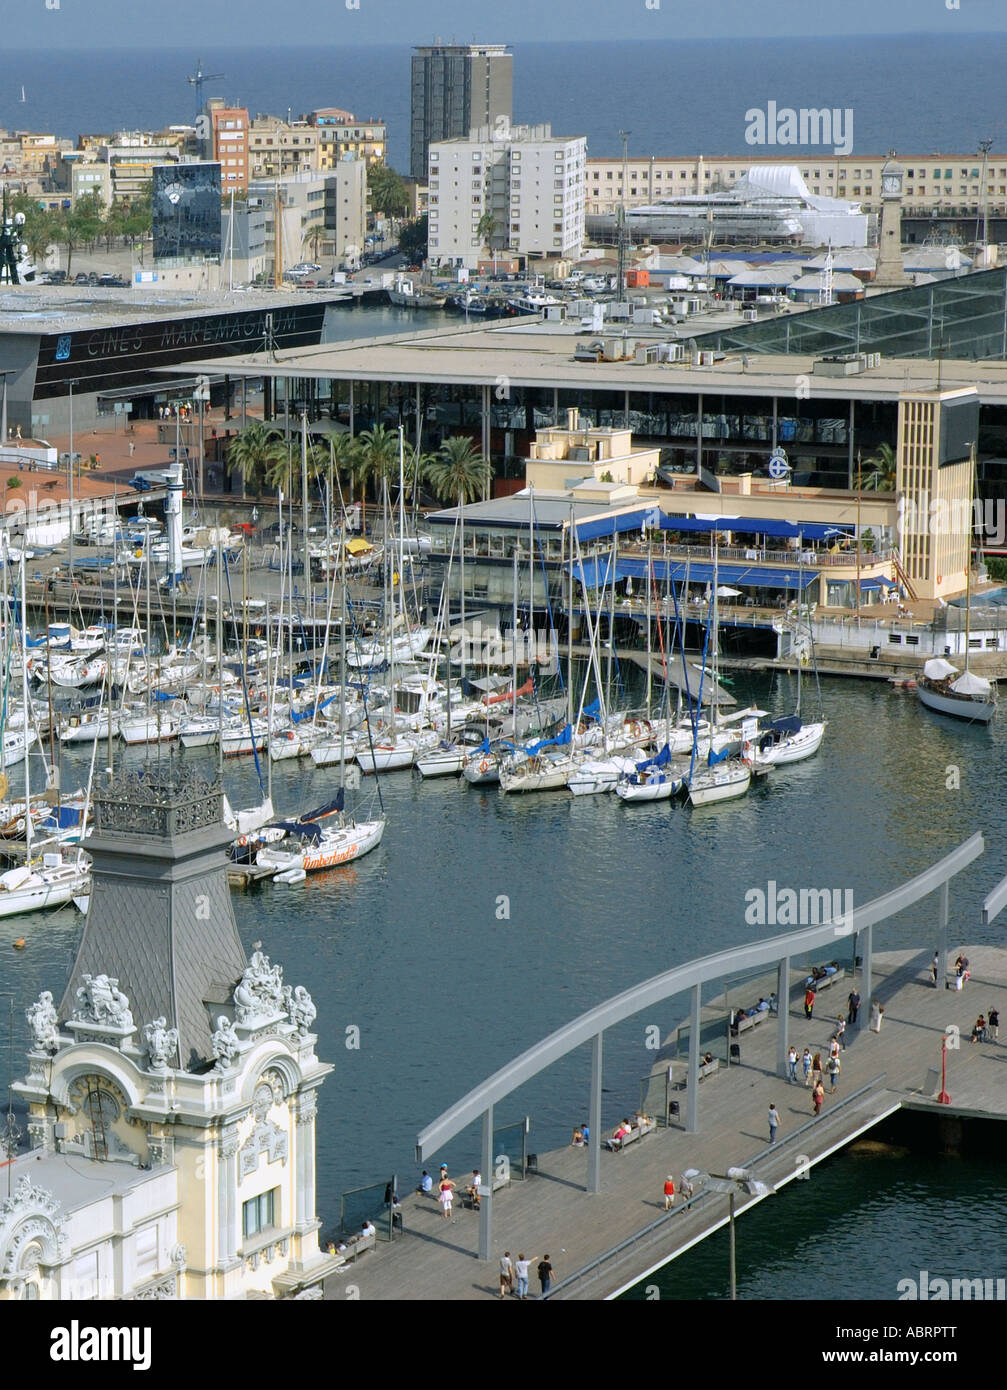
(750, 315)
(707, 359)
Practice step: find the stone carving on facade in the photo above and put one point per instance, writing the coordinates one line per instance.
(259, 993)
(224, 1043)
(160, 1292)
(300, 1009)
(178, 1256)
(160, 1150)
(100, 1000)
(307, 1108)
(265, 1138)
(31, 1222)
(44, 1024)
(161, 1041)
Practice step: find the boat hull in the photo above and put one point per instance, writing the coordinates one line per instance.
(710, 787)
(958, 707)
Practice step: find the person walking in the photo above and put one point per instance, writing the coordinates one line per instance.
(809, 1001)
(993, 1024)
(806, 1064)
(853, 1002)
(834, 1068)
(669, 1193)
(774, 1123)
(934, 967)
(817, 1096)
(506, 1274)
(834, 1045)
(816, 1069)
(544, 1275)
(792, 1063)
(877, 1016)
(521, 1267)
(841, 1032)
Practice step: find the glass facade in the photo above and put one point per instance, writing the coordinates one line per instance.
(965, 316)
(186, 211)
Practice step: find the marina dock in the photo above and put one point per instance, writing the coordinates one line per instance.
(602, 1243)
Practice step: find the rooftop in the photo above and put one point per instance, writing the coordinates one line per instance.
(63, 309)
(482, 356)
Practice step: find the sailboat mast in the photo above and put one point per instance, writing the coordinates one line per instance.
(24, 700)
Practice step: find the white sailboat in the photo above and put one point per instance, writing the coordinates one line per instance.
(727, 780)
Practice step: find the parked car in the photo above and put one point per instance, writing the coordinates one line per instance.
(80, 278)
(57, 277)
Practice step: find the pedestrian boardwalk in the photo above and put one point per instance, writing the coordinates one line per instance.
(551, 1211)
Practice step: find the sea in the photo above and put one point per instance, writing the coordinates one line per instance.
(483, 922)
(918, 94)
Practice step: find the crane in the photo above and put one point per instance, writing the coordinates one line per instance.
(199, 78)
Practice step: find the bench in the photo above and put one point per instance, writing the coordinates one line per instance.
(826, 980)
(636, 1132)
(356, 1245)
(499, 1181)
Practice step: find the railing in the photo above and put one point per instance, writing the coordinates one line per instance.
(595, 1268)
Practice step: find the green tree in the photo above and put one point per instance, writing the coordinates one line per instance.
(413, 239)
(883, 471)
(458, 472)
(252, 451)
(333, 457)
(386, 191)
(283, 469)
(37, 231)
(377, 459)
(487, 230)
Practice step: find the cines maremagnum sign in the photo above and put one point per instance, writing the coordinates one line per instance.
(121, 355)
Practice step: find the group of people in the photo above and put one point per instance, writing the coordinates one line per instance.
(987, 1027)
(763, 1006)
(446, 1189)
(511, 1270)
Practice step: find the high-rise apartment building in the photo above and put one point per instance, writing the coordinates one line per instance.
(457, 88)
(524, 194)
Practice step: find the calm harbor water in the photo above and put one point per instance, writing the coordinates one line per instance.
(407, 945)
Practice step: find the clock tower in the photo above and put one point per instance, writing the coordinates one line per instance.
(890, 273)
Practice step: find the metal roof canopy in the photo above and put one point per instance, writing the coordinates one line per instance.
(652, 516)
(589, 1026)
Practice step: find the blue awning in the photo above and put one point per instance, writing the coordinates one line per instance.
(596, 572)
(652, 517)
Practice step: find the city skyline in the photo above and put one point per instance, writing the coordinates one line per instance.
(72, 23)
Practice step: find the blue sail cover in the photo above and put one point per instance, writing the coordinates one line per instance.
(661, 759)
(592, 710)
(296, 718)
(302, 831)
(561, 739)
(714, 758)
(786, 724)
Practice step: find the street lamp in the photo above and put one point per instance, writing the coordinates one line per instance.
(732, 1182)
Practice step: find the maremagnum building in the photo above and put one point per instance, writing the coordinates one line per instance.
(893, 371)
(105, 347)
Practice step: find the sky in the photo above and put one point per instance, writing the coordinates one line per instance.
(210, 24)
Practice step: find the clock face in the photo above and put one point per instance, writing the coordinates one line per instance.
(173, 193)
(891, 183)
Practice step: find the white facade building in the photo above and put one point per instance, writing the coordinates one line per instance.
(530, 182)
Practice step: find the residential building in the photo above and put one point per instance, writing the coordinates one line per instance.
(321, 212)
(457, 88)
(77, 174)
(244, 252)
(531, 183)
(341, 134)
(227, 144)
(131, 157)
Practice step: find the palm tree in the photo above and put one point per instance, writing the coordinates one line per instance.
(487, 230)
(284, 468)
(252, 452)
(377, 458)
(334, 454)
(884, 470)
(458, 471)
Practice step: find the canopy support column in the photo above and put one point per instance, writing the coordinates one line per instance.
(486, 1190)
(942, 935)
(866, 940)
(692, 1094)
(594, 1117)
(782, 1016)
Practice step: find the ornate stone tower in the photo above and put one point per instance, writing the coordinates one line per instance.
(890, 273)
(174, 1061)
